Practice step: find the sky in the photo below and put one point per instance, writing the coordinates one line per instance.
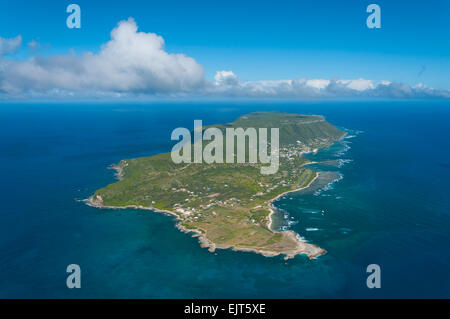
(296, 49)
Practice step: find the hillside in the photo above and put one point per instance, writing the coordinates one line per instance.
(226, 205)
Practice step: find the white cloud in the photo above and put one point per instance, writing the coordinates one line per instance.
(135, 63)
(323, 88)
(318, 83)
(8, 46)
(131, 62)
(358, 84)
(226, 78)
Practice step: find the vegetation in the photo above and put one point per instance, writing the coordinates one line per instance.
(229, 204)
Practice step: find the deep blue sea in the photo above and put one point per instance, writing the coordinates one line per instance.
(383, 198)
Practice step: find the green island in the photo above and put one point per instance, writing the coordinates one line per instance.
(227, 205)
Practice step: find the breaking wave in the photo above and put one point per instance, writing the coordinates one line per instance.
(329, 186)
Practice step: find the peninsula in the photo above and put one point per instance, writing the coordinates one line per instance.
(227, 205)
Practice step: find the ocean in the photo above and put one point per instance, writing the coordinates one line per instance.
(382, 198)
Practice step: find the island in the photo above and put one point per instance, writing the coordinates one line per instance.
(227, 205)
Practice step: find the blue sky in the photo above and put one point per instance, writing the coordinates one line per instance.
(258, 40)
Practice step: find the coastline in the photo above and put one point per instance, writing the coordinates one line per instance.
(272, 208)
(302, 247)
(312, 251)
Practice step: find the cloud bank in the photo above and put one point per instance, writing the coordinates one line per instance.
(320, 88)
(131, 62)
(135, 63)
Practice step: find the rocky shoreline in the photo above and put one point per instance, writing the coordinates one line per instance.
(312, 251)
(302, 247)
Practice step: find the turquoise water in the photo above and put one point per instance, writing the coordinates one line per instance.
(389, 206)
